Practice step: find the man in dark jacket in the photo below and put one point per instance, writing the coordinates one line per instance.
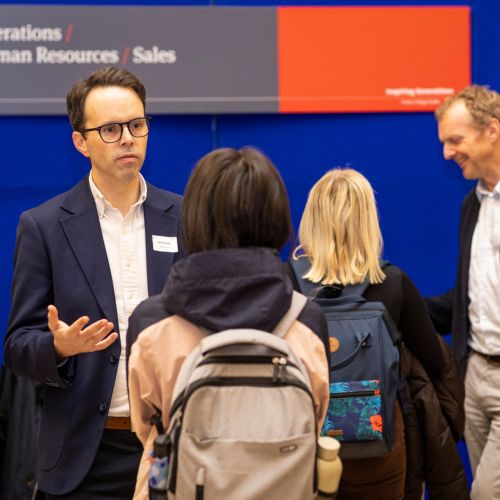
(83, 261)
(469, 128)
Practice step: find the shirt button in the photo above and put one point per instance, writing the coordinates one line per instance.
(112, 359)
(103, 407)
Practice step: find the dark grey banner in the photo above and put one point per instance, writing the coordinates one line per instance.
(191, 59)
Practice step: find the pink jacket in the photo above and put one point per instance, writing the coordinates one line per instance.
(157, 357)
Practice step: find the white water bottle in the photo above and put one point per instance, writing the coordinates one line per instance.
(329, 467)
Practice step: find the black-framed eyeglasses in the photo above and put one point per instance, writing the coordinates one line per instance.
(112, 132)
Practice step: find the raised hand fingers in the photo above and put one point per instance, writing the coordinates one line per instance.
(79, 324)
(76, 339)
(97, 336)
(52, 314)
(66, 338)
(99, 328)
(52, 317)
(103, 344)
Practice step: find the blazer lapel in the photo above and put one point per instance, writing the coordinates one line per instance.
(83, 231)
(158, 222)
(470, 217)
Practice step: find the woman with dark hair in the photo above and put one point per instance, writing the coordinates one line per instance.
(235, 218)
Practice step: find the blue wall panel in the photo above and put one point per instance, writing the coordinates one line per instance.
(418, 193)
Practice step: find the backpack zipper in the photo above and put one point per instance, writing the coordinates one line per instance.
(280, 364)
(251, 360)
(353, 394)
(392, 329)
(183, 399)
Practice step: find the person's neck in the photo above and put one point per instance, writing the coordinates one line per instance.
(492, 177)
(121, 195)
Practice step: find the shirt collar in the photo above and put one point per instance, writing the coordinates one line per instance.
(482, 192)
(102, 204)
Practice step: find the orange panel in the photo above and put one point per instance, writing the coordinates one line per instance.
(355, 59)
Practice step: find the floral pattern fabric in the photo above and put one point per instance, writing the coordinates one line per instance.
(158, 473)
(355, 411)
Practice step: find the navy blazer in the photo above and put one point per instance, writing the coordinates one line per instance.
(449, 312)
(60, 259)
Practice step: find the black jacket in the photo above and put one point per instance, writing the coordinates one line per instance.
(449, 312)
(20, 413)
(228, 288)
(434, 419)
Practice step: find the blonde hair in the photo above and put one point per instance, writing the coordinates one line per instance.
(340, 231)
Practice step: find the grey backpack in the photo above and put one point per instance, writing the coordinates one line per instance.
(242, 421)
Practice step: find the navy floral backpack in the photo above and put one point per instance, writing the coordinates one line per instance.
(365, 376)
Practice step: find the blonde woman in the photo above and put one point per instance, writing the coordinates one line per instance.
(340, 235)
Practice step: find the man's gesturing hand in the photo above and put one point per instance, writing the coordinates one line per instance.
(75, 339)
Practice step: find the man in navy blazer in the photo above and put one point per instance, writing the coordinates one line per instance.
(83, 261)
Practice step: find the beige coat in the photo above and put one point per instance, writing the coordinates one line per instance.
(157, 357)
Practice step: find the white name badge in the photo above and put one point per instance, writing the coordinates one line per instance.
(165, 243)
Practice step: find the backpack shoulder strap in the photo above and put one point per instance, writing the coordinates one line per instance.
(355, 290)
(359, 289)
(248, 335)
(298, 303)
(300, 266)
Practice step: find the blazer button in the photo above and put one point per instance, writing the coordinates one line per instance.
(103, 407)
(113, 359)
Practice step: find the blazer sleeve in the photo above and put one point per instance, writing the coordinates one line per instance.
(29, 344)
(440, 309)
(417, 329)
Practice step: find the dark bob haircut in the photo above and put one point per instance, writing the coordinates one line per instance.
(235, 198)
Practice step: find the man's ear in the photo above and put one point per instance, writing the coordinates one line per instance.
(80, 143)
(493, 130)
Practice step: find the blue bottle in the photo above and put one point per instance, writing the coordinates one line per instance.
(158, 471)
